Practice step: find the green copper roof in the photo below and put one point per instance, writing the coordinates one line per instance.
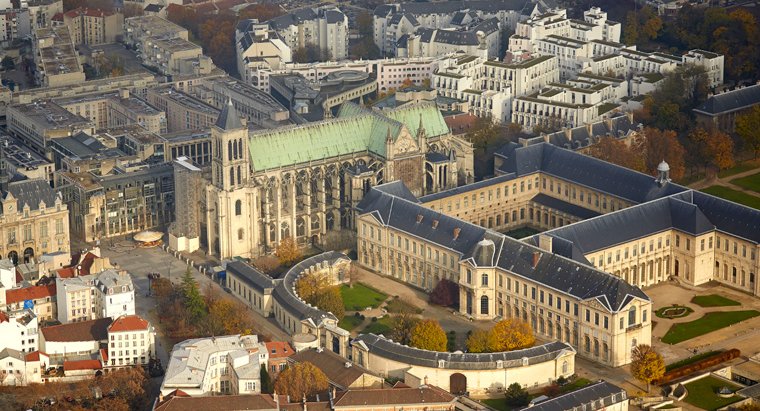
(355, 130)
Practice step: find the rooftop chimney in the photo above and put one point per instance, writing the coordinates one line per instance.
(456, 232)
(435, 224)
(536, 256)
(419, 218)
(545, 242)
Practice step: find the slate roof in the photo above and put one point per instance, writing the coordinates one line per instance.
(155, 8)
(584, 398)
(468, 187)
(31, 192)
(583, 170)
(459, 38)
(555, 271)
(564, 206)
(250, 275)
(725, 215)
(449, 7)
(730, 101)
(228, 118)
(422, 395)
(385, 348)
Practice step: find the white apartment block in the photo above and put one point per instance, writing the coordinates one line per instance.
(18, 331)
(20, 369)
(14, 24)
(325, 28)
(712, 62)
(131, 341)
(217, 365)
(483, 38)
(88, 297)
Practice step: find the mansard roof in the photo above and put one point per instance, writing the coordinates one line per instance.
(554, 271)
(583, 170)
(607, 394)
(355, 130)
(31, 193)
(731, 101)
(250, 275)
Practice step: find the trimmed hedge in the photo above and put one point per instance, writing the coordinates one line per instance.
(700, 365)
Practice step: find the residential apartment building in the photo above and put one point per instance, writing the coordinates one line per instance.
(41, 297)
(18, 159)
(37, 123)
(132, 197)
(165, 46)
(183, 112)
(81, 339)
(115, 109)
(131, 341)
(258, 47)
(41, 12)
(34, 221)
(483, 38)
(324, 28)
(22, 368)
(56, 61)
(93, 26)
(228, 364)
(18, 330)
(14, 25)
(108, 294)
(713, 64)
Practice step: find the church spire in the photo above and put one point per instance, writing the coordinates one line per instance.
(228, 119)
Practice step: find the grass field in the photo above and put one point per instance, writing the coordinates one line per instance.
(673, 311)
(349, 322)
(381, 326)
(750, 182)
(733, 195)
(708, 323)
(397, 306)
(690, 360)
(713, 300)
(703, 393)
(360, 296)
(739, 168)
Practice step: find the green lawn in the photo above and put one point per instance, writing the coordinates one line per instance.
(671, 311)
(360, 296)
(381, 326)
(349, 322)
(733, 195)
(499, 404)
(739, 168)
(708, 323)
(713, 300)
(522, 232)
(690, 360)
(750, 182)
(397, 306)
(576, 384)
(703, 393)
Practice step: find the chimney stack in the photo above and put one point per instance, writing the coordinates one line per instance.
(435, 224)
(545, 242)
(456, 232)
(419, 218)
(536, 256)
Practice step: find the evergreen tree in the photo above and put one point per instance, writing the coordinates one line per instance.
(196, 306)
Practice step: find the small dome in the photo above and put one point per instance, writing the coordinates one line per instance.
(663, 166)
(484, 252)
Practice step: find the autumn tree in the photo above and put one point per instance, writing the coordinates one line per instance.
(445, 293)
(478, 342)
(510, 334)
(618, 152)
(288, 252)
(712, 149)
(261, 11)
(330, 300)
(664, 145)
(268, 264)
(747, 127)
(641, 26)
(401, 328)
(516, 395)
(428, 335)
(647, 365)
(669, 106)
(318, 290)
(301, 379)
(225, 315)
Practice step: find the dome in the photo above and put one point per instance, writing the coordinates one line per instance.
(663, 166)
(484, 252)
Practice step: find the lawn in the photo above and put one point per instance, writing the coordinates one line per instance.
(360, 296)
(739, 168)
(703, 393)
(522, 232)
(749, 182)
(713, 300)
(499, 404)
(397, 306)
(349, 322)
(708, 323)
(690, 360)
(673, 311)
(576, 384)
(381, 326)
(733, 195)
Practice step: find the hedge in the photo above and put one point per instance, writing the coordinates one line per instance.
(700, 365)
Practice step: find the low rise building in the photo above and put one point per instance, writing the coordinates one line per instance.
(183, 112)
(20, 369)
(600, 395)
(721, 110)
(165, 46)
(279, 352)
(18, 330)
(342, 375)
(41, 298)
(55, 58)
(76, 341)
(483, 38)
(228, 364)
(115, 109)
(131, 341)
(18, 159)
(107, 294)
(94, 26)
(37, 123)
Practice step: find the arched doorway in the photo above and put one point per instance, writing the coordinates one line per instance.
(13, 256)
(457, 384)
(28, 254)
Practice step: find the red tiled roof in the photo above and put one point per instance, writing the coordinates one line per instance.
(279, 349)
(18, 295)
(19, 277)
(93, 330)
(178, 393)
(128, 323)
(460, 123)
(82, 365)
(104, 354)
(35, 355)
(86, 263)
(228, 402)
(3, 317)
(66, 272)
(58, 17)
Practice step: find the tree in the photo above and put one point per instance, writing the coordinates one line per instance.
(478, 341)
(330, 300)
(647, 365)
(510, 334)
(664, 145)
(261, 11)
(266, 380)
(641, 26)
(516, 395)
(445, 293)
(428, 335)
(318, 290)
(711, 148)
(8, 63)
(401, 328)
(364, 23)
(288, 252)
(268, 264)
(617, 152)
(747, 127)
(194, 304)
(301, 379)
